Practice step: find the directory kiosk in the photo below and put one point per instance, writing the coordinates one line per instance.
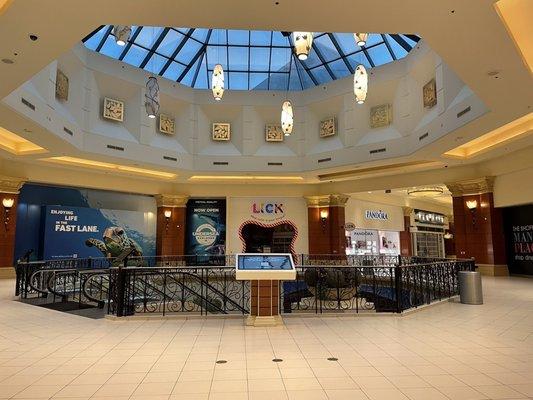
(264, 271)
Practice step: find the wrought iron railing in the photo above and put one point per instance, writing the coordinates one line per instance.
(169, 284)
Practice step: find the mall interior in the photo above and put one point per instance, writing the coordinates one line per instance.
(200, 202)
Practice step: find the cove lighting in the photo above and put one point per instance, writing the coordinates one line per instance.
(519, 127)
(110, 166)
(244, 177)
(17, 145)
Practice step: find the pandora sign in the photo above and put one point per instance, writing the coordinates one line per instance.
(376, 214)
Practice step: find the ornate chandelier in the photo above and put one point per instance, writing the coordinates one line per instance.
(360, 38)
(360, 84)
(287, 119)
(122, 34)
(217, 82)
(151, 97)
(425, 191)
(302, 44)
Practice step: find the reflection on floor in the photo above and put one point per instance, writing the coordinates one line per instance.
(450, 351)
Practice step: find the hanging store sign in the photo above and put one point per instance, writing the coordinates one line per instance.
(349, 226)
(377, 215)
(427, 217)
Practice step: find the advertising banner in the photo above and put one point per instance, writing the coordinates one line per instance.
(80, 232)
(518, 225)
(206, 230)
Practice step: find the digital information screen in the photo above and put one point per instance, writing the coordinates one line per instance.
(265, 266)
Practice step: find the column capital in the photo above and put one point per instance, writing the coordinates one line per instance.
(407, 211)
(171, 200)
(10, 184)
(471, 186)
(327, 200)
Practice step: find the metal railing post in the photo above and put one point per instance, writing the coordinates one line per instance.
(398, 288)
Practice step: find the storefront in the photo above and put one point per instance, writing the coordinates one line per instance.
(267, 225)
(427, 233)
(372, 228)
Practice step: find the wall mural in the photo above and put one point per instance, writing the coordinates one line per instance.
(205, 234)
(71, 222)
(80, 232)
(113, 109)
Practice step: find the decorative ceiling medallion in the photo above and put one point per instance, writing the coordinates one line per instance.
(61, 86)
(425, 191)
(328, 127)
(380, 116)
(113, 109)
(429, 92)
(167, 124)
(221, 131)
(273, 133)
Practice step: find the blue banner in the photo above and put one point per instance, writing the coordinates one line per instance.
(72, 232)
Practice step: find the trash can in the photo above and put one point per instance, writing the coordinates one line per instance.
(470, 287)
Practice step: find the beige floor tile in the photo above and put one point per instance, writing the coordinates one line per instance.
(499, 392)
(264, 385)
(72, 391)
(337, 383)
(91, 379)
(380, 382)
(191, 387)
(9, 391)
(443, 381)
(38, 392)
(273, 395)
(306, 395)
(346, 394)
(229, 374)
(229, 386)
(292, 384)
(384, 394)
(117, 379)
(462, 393)
(423, 394)
(154, 389)
(118, 390)
(408, 382)
(229, 396)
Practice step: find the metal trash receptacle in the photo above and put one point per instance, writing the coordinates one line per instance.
(470, 289)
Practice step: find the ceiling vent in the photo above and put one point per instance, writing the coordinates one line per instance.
(168, 158)
(68, 131)
(275, 164)
(321, 160)
(112, 147)
(27, 103)
(378, 170)
(375, 151)
(461, 113)
(422, 137)
(220, 163)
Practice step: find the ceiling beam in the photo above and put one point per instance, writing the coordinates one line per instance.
(195, 57)
(154, 47)
(176, 51)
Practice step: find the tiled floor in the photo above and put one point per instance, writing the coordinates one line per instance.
(450, 351)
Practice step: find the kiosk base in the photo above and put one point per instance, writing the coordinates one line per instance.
(274, 320)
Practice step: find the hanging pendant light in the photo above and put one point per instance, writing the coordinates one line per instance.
(217, 82)
(302, 44)
(360, 38)
(122, 34)
(360, 84)
(287, 119)
(151, 97)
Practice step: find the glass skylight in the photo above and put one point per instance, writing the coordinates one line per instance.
(252, 60)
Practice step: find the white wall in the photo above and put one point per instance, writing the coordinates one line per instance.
(514, 188)
(355, 212)
(239, 210)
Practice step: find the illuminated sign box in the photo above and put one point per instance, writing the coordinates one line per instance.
(265, 266)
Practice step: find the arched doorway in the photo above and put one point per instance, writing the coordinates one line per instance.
(277, 237)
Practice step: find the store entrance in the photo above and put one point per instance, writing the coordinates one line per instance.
(261, 239)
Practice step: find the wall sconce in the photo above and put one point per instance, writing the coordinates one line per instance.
(472, 205)
(167, 214)
(7, 202)
(323, 218)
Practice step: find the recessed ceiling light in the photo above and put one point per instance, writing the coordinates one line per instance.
(33, 37)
